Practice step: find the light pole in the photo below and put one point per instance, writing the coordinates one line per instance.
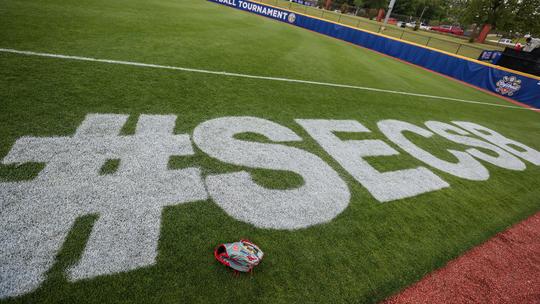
(419, 21)
(390, 7)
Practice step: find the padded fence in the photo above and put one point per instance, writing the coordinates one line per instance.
(518, 86)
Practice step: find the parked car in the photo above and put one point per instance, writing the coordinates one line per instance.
(456, 30)
(392, 21)
(422, 26)
(506, 42)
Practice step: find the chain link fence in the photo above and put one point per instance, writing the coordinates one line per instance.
(359, 18)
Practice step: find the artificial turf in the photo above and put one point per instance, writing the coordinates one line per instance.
(367, 253)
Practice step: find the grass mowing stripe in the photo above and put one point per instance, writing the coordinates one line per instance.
(157, 66)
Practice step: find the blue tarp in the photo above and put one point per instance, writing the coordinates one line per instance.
(525, 89)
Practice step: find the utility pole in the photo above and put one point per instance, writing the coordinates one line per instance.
(419, 21)
(422, 14)
(390, 7)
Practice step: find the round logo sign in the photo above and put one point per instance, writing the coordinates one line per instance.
(291, 18)
(508, 85)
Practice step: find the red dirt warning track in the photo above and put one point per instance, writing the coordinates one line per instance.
(505, 269)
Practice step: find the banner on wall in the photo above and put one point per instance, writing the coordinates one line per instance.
(521, 87)
(259, 9)
(306, 2)
(490, 56)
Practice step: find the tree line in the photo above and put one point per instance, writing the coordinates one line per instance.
(511, 16)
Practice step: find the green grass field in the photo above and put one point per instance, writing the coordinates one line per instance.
(433, 39)
(367, 253)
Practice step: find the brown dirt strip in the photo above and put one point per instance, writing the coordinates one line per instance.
(505, 269)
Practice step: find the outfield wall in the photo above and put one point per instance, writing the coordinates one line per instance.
(515, 85)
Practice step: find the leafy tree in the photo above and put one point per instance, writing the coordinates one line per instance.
(376, 4)
(452, 11)
(344, 8)
(527, 17)
(517, 16)
(432, 8)
(359, 4)
(497, 13)
(405, 7)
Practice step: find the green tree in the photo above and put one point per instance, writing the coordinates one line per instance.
(358, 4)
(376, 4)
(498, 13)
(405, 7)
(453, 11)
(344, 8)
(527, 17)
(432, 9)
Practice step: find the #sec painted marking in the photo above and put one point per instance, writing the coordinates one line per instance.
(37, 215)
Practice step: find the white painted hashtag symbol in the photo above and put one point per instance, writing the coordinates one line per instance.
(37, 215)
